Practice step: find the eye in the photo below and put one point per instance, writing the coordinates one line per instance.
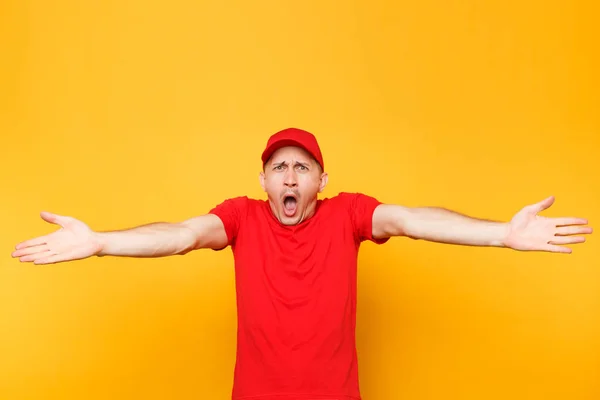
(302, 167)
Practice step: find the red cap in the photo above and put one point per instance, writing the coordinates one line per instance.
(293, 137)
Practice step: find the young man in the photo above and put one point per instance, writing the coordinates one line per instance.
(296, 263)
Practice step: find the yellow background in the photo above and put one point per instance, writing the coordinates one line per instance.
(122, 113)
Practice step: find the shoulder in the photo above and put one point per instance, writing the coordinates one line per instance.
(360, 209)
(240, 201)
(238, 205)
(233, 213)
(342, 197)
(355, 205)
(353, 200)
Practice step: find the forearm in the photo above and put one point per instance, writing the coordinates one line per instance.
(446, 226)
(152, 240)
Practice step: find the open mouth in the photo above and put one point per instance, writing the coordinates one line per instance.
(290, 204)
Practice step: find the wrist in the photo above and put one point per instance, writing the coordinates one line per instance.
(504, 230)
(100, 240)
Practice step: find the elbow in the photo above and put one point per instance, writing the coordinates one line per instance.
(396, 227)
(403, 224)
(187, 240)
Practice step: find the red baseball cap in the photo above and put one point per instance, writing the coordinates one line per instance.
(293, 137)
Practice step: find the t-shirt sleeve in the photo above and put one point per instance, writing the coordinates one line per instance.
(231, 212)
(361, 208)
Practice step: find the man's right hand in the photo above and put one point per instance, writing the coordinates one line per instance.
(73, 241)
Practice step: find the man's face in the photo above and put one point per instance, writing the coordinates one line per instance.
(292, 179)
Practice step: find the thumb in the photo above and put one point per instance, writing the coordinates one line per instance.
(543, 205)
(53, 218)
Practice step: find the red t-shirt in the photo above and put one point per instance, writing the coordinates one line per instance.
(296, 298)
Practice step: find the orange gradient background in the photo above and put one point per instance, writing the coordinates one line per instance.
(123, 113)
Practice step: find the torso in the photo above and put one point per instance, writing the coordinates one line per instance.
(296, 299)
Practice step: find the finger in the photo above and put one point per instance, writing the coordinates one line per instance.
(567, 240)
(30, 250)
(557, 249)
(32, 242)
(53, 258)
(564, 221)
(573, 230)
(36, 256)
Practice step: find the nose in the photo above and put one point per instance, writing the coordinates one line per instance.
(290, 178)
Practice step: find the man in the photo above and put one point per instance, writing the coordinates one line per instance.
(296, 263)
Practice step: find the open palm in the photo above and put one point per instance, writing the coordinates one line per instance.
(74, 240)
(530, 231)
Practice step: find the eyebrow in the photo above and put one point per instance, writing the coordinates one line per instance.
(282, 163)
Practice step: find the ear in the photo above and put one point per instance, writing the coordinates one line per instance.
(261, 177)
(324, 180)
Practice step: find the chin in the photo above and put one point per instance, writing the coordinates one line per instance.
(293, 220)
(290, 221)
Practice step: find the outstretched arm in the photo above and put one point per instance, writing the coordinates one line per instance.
(525, 231)
(75, 240)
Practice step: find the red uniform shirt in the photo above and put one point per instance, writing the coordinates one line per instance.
(296, 298)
